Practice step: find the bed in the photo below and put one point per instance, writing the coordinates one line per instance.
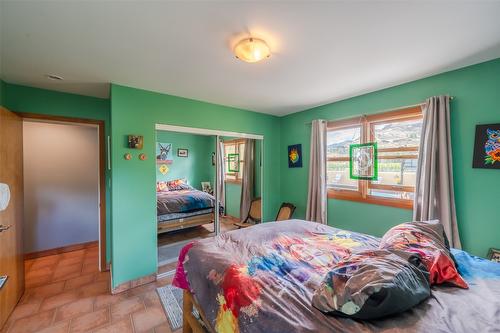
(185, 208)
(261, 279)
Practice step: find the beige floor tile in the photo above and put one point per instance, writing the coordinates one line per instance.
(61, 327)
(90, 268)
(148, 319)
(45, 291)
(109, 299)
(103, 276)
(142, 289)
(33, 282)
(67, 272)
(33, 323)
(55, 301)
(124, 308)
(42, 262)
(151, 299)
(42, 271)
(79, 281)
(90, 321)
(122, 326)
(95, 289)
(163, 328)
(74, 309)
(24, 310)
(70, 261)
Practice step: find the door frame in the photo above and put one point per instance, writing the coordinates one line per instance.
(103, 266)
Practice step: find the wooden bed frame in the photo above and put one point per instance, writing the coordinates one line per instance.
(186, 222)
(189, 322)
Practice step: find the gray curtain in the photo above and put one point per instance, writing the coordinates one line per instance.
(434, 195)
(316, 196)
(247, 183)
(221, 189)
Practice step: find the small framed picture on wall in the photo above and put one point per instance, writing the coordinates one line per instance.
(135, 141)
(494, 255)
(182, 152)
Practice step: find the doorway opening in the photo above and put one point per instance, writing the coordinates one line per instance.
(64, 195)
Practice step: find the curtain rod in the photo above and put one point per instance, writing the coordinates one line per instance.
(386, 110)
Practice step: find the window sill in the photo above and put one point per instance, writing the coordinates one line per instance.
(232, 181)
(356, 196)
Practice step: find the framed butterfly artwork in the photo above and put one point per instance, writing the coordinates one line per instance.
(487, 147)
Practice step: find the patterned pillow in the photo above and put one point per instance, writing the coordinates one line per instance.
(179, 184)
(373, 284)
(429, 241)
(161, 186)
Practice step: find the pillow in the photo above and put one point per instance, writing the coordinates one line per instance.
(161, 186)
(373, 284)
(178, 184)
(429, 240)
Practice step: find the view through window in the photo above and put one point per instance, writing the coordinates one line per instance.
(397, 135)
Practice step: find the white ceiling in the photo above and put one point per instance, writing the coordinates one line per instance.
(321, 51)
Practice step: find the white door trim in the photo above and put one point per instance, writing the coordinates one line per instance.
(205, 131)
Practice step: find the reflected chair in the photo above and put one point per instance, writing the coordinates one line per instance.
(254, 214)
(285, 212)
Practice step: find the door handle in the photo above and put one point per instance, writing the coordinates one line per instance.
(4, 227)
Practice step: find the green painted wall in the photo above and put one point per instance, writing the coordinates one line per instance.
(40, 101)
(477, 92)
(197, 167)
(233, 199)
(135, 111)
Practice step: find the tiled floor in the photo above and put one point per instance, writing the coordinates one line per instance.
(66, 293)
(202, 231)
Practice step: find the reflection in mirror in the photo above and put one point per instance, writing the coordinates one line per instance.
(185, 200)
(195, 168)
(242, 175)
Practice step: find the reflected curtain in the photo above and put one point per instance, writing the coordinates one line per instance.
(247, 181)
(434, 195)
(221, 189)
(316, 195)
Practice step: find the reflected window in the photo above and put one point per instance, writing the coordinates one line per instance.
(234, 151)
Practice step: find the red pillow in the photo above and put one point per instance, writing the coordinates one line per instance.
(429, 241)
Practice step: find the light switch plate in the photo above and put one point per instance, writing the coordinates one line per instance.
(3, 279)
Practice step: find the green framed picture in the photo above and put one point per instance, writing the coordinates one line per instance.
(363, 163)
(233, 162)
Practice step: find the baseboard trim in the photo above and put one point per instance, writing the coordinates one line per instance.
(59, 250)
(163, 275)
(133, 283)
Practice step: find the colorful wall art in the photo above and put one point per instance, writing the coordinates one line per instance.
(164, 153)
(295, 156)
(487, 147)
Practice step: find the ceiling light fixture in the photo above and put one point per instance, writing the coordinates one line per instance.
(54, 77)
(252, 50)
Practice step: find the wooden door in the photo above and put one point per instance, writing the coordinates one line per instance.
(11, 251)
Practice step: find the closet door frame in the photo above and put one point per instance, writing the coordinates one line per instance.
(218, 134)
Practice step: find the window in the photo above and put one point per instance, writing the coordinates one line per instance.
(234, 150)
(397, 134)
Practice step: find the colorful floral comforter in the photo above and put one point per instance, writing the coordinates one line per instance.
(262, 279)
(183, 201)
